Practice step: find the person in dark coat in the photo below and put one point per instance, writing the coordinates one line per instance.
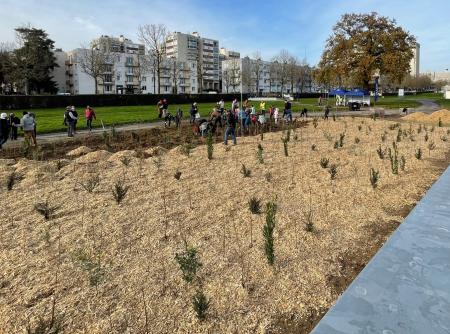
(4, 129)
(14, 124)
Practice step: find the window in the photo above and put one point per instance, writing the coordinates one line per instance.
(193, 88)
(129, 78)
(118, 58)
(130, 70)
(193, 81)
(144, 79)
(193, 65)
(129, 60)
(144, 88)
(107, 88)
(166, 88)
(118, 76)
(107, 78)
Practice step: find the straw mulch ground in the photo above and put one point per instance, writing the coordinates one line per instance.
(109, 268)
(443, 115)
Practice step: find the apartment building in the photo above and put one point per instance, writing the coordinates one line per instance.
(200, 55)
(123, 70)
(237, 70)
(415, 61)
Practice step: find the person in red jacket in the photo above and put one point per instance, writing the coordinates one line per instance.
(90, 115)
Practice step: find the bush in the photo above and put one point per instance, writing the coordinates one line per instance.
(119, 191)
(45, 209)
(259, 154)
(245, 171)
(285, 145)
(313, 147)
(268, 229)
(336, 145)
(381, 153)
(189, 263)
(324, 162)
(357, 140)
(333, 171)
(91, 183)
(374, 176)
(200, 304)
(12, 179)
(177, 175)
(254, 205)
(418, 154)
(210, 146)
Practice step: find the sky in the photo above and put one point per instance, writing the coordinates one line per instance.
(301, 27)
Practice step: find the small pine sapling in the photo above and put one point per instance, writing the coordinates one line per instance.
(374, 177)
(119, 191)
(259, 154)
(324, 162)
(431, 147)
(201, 305)
(45, 209)
(333, 171)
(426, 137)
(313, 147)
(357, 140)
(285, 141)
(245, 171)
(254, 206)
(177, 175)
(210, 146)
(418, 154)
(189, 263)
(380, 152)
(268, 230)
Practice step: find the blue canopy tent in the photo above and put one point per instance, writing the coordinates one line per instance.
(345, 97)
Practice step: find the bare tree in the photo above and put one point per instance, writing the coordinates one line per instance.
(142, 69)
(234, 67)
(177, 73)
(273, 74)
(282, 68)
(95, 60)
(227, 78)
(256, 70)
(293, 71)
(154, 36)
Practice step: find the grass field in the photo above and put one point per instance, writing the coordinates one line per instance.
(51, 120)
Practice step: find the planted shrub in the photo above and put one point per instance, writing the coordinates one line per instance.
(189, 263)
(210, 146)
(12, 179)
(45, 209)
(201, 304)
(177, 175)
(285, 146)
(91, 183)
(418, 154)
(125, 161)
(91, 265)
(245, 171)
(336, 145)
(268, 176)
(185, 149)
(381, 153)
(324, 162)
(309, 221)
(313, 147)
(359, 127)
(357, 140)
(393, 157)
(431, 147)
(268, 229)
(259, 154)
(374, 177)
(315, 123)
(426, 136)
(254, 205)
(119, 191)
(402, 163)
(333, 171)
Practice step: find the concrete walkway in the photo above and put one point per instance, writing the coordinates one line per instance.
(405, 288)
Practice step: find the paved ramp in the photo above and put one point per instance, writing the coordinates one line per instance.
(405, 288)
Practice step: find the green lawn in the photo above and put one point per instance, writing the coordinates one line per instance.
(51, 120)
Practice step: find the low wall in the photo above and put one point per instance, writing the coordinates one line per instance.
(61, 101)
(405, 288)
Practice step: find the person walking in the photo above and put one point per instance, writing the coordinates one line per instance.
(4, 129)
(14, 124)
(28, 124)
(192, 112)
(231, 126)
(90, 115)
(160, 106)
(287, 111)
(327, 111)
(69, 120)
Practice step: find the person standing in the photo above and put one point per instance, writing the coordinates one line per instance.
(14, 124)
(90, 115)
(4, 129)
(178, 117)
(275, 115)
(262, 107)
(221, 106)
(231, 126)
(74, 113)
(287, 111)
(193, 112)
(165, 108)
(28, 124)
(69, 120)
(160, 106)
(327, 111)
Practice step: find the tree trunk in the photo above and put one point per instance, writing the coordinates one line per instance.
(95, 84)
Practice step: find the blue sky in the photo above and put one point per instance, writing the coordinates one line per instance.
(301, 27)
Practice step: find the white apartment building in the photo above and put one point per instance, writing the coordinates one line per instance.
(123, 71)
(415, 61)
(235, 70)
(59, 73)
(201, 54)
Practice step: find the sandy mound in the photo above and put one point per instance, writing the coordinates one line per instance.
(82, 150)
(443, 114)
(121, 155)
(416, 117)
(93, 157)
(155, 151)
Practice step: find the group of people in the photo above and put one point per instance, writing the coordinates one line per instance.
(71, 119)
(9, 126)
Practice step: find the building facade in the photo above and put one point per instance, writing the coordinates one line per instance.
(415, 61)
(201, 54)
